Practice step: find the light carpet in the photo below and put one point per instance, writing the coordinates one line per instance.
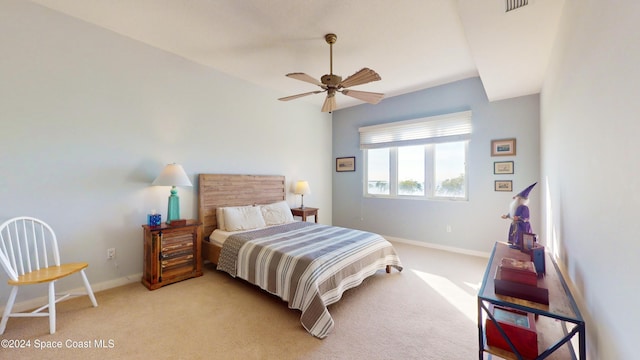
(427, 311)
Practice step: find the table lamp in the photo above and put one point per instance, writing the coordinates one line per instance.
(302, 189)
(172, 175)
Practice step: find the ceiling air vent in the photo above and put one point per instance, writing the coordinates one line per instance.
(515, 4)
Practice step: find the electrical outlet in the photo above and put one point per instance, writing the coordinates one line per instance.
(111, 253)
(448, 228)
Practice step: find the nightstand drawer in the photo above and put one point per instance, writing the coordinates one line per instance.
(178, 269)
(177, 253)
(174, 237)
(172, 263)
(177, 246)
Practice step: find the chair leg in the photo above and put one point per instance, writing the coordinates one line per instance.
(52, 307)
(8, 308)
(88, 287)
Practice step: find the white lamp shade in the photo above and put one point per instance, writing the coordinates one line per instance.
(172, 175)
(302, 188)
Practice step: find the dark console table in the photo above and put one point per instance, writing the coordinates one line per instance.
(556, 323)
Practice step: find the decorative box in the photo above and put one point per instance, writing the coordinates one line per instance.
(520, 271)
(520, 328)
(154, 219)
(537, 256)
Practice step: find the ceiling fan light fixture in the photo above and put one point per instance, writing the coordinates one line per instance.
(329, 103)
(331, 83)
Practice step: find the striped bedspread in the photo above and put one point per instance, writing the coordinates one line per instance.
(308, 265)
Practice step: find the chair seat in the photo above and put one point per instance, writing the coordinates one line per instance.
(48, 274)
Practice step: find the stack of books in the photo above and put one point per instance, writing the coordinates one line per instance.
(518, 278)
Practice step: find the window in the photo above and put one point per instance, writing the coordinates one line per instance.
(411, 170)
(378, 170)
(422, 158)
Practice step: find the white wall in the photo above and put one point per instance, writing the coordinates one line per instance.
(589, 141)
(89, 118)
(476, 224)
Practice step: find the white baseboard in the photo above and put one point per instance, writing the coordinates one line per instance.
(105, 285)
(438, 247)
(110, 284)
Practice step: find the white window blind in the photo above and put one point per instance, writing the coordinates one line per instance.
(428, 130)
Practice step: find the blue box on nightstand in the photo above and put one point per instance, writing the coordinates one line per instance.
(154, 219)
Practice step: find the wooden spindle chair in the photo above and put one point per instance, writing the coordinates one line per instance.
(29, 255)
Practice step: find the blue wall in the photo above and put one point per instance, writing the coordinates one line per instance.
(475, 224)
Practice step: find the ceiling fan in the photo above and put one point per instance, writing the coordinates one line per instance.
(333, 83)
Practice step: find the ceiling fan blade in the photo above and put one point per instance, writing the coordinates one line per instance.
(370, 97)
(287, 98)
(329, 104)
(304, 77)
(363, 76)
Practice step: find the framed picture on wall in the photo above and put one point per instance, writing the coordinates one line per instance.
(503, 147)
(527, 241)
(503, 185)
(346, 164)
(503, 167)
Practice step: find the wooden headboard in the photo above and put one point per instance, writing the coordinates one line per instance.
(219, 190)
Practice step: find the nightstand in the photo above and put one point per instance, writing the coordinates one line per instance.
(171, 253)
(304, 212)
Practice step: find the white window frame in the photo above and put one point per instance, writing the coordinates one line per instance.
(427, 131)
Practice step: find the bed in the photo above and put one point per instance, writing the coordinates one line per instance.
(249, 232)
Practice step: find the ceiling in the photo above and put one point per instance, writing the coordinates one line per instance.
(412, 44)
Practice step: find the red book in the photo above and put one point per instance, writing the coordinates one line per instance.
(520, 271)
(520, 328)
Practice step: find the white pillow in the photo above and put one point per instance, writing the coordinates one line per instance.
(220, 218)
(243, 218)
(276, 213)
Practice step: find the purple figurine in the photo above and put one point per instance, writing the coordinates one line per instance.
(519, 213)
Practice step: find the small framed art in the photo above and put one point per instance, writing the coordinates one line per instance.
(346, 164)
(503, 185)
(503, 167)
(504, 147)
(518, 326)
(527, 241)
